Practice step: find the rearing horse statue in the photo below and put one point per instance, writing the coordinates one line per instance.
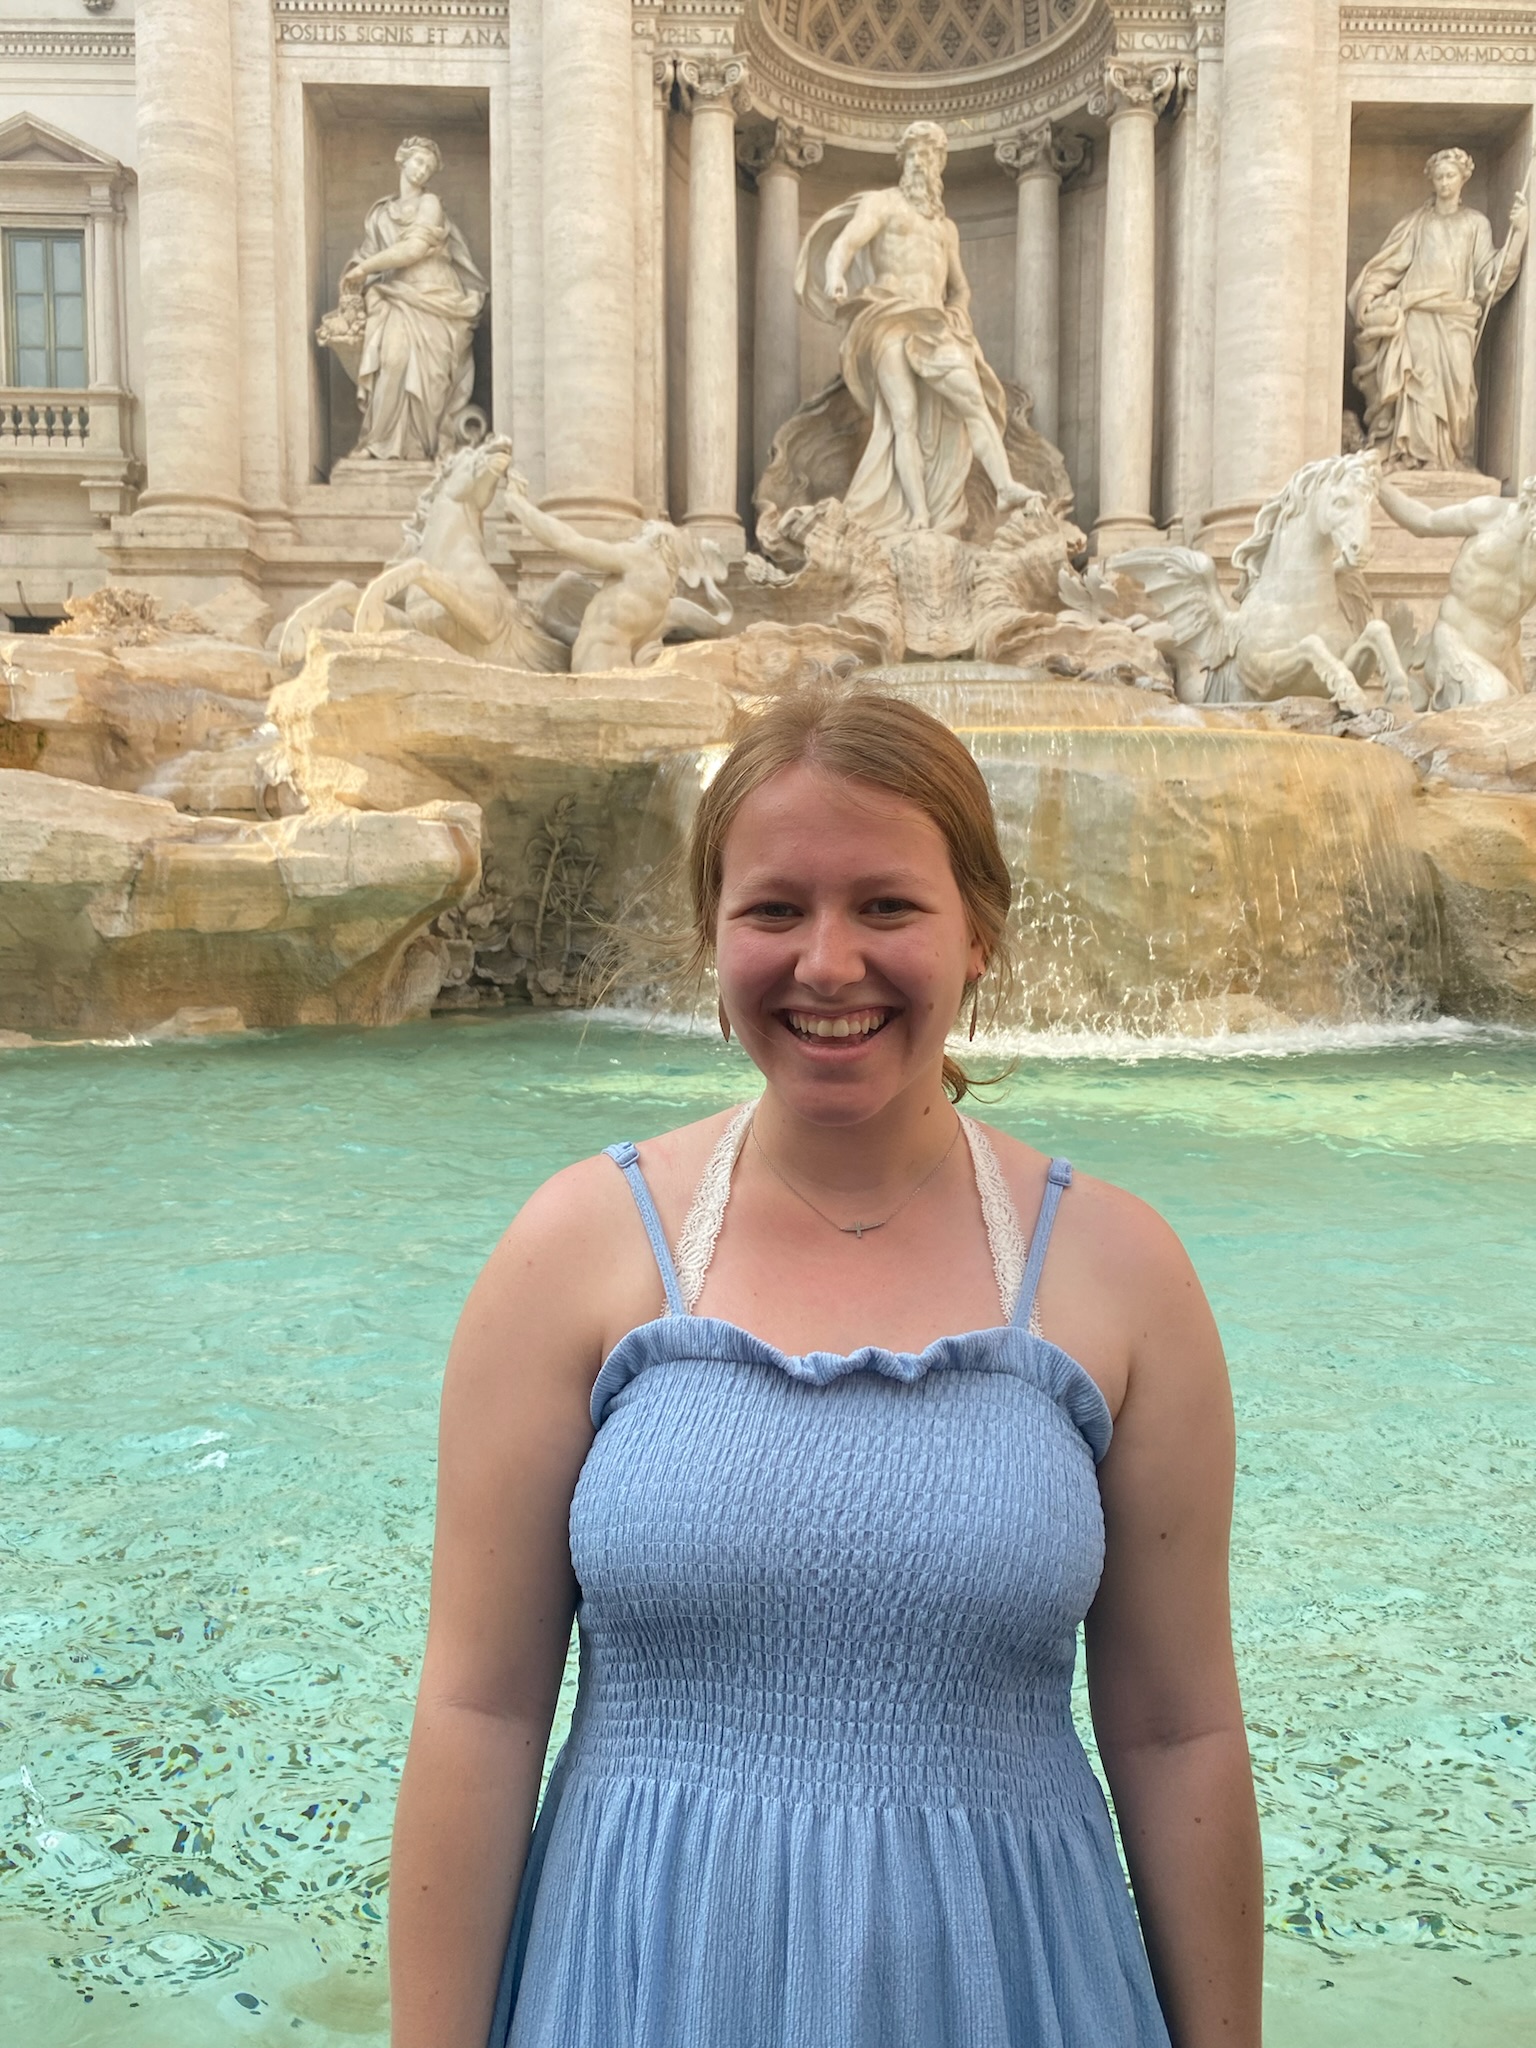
(1300, 624)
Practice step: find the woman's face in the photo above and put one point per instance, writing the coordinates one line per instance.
(418, 167)
(842, 945)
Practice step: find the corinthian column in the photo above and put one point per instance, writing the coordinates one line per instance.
(1037, 159)
(775, 157)
(709, 92)
(589, 265)
(1263, 260)
(188, 270)
(1132, 96)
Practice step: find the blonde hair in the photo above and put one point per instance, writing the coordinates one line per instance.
(863, 736)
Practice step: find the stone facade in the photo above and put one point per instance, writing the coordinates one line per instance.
(1161, 204)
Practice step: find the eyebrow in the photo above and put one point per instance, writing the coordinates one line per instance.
(886, 881)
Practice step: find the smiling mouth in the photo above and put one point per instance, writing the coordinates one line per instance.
(852, 1024)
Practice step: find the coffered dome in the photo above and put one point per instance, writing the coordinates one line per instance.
(917, 36)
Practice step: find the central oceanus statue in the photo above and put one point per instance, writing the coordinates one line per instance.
(1300, 623)
(886, 266)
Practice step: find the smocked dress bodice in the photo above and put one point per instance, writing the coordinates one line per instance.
(822, 1787)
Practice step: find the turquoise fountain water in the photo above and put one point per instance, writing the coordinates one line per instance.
(233, 1271)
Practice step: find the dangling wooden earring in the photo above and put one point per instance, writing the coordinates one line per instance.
(725, 1022)
(975, 1005)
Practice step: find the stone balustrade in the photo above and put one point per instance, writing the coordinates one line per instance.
(77, 435)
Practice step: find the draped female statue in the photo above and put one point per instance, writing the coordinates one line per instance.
(1419, 306)
(412, 294)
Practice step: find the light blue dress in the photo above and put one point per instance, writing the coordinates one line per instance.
(822, 1787)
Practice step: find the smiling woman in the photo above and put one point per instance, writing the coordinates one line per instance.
(830, 1520)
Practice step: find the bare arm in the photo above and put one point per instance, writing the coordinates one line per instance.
(1426, 522)
(608, 556)
(868, 219)
(1161, 1678)
(515, 1430)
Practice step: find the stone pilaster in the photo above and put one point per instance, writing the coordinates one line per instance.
(1038, 158)
(1263, 260)
(709, 88)
(1131, 98)
(589, 265)
(775, 157)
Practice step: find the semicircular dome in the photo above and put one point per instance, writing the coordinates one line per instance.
(916, 36)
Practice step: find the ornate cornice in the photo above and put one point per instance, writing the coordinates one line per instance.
(1452, 36)
(1131, 88)
(863, 110)
(385, 24)
(42, 41)
(1166, 28)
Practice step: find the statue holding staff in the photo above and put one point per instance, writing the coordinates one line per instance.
(1420, 306)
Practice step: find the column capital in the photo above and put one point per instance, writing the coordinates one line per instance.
(783, 144)
(712, 82)
(1043, 151)
(1131, 87)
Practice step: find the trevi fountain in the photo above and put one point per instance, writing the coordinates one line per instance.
(429, 429)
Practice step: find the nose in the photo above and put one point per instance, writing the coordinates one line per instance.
(831, 957)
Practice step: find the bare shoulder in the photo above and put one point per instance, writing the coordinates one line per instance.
(1096, 1210)
(1118, 1291)
(576, 1260)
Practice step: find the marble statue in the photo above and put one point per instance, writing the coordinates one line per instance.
(1301, 624)
(886, 266)
(411, 295)
(452, 591)
(1472, 655)
(619, 618)
(1419, 307)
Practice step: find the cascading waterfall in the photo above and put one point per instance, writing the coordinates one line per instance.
(1173, 877)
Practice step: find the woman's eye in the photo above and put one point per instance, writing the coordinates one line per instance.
(889, 906)
(774, 913)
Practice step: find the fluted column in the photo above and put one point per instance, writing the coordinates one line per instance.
(1037, 159)
(652, 89)
(775, 157)
(1263, 259)
(188, 269)
(1132, 97)
(709, 87)
(589, 265)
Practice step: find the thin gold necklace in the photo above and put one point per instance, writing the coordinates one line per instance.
(859, 1230)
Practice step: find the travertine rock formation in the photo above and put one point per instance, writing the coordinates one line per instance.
(115, 715)
(1482, 847)
(385, 726)
(1486, 746)
(116, 911)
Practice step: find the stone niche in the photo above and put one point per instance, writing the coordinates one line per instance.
(351, 133)
(1388, 147)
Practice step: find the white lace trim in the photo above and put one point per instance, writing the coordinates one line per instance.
(1010, 1254)
(706, 1212)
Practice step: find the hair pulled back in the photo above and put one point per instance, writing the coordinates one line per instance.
(864, 736)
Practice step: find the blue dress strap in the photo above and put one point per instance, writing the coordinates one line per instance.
(627, 1159)
(1058, 1178)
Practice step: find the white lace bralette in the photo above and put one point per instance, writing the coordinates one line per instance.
(706, 1213)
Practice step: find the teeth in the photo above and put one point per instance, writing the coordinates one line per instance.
(860, 1025)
